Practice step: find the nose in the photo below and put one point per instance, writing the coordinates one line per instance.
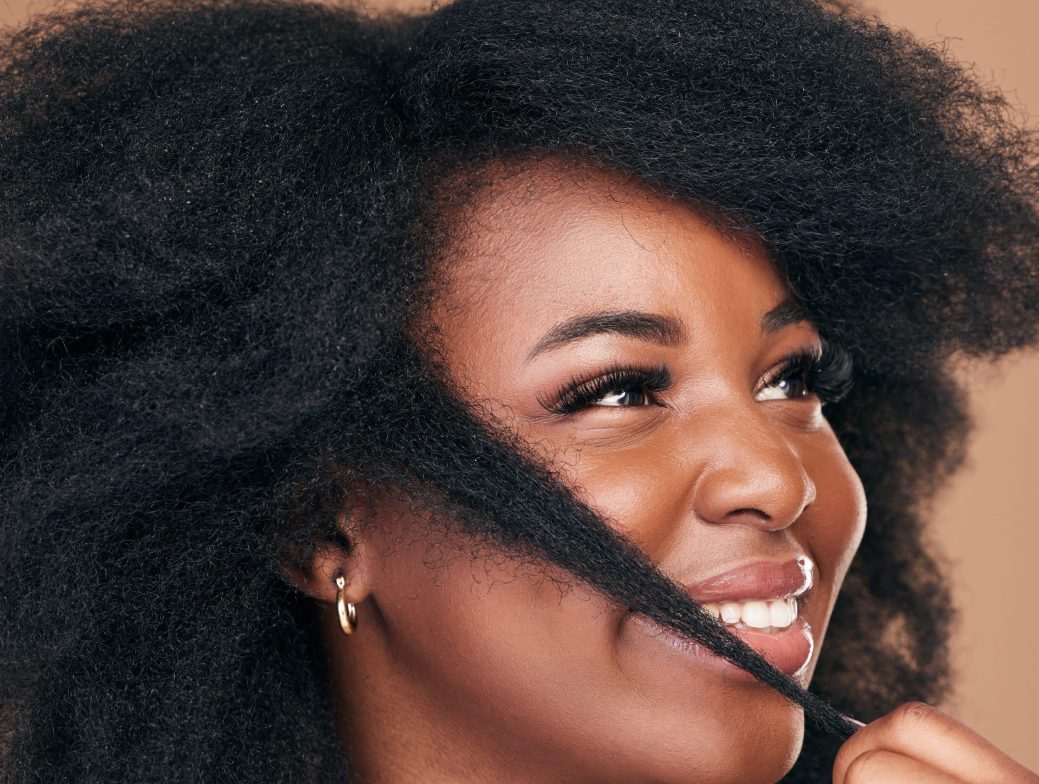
(752, 475)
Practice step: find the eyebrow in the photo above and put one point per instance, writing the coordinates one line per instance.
(654, 327)
(787, 312)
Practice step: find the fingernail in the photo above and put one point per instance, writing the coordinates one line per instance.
(856, 722)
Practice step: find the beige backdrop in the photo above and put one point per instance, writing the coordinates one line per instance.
(987, 522)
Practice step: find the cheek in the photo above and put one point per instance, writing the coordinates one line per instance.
(523, 653)
(838, 520)
(643, 491)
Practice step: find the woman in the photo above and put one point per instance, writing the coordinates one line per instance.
(441, 398)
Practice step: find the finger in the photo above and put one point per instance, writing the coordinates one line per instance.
(916, 730)
(880, 766)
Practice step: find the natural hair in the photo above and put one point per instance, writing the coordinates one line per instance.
(217, 222)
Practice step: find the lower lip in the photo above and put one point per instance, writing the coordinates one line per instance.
(790, 650)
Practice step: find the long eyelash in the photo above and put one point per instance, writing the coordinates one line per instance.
(580, 392)
(827, 371)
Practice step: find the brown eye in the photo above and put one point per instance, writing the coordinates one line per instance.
(823, 372)
(617, 387)
(625, 397)
(785, 388)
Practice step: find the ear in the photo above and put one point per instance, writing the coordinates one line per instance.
(316, 576)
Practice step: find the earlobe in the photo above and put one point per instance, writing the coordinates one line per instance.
(327, 564)
(316, 575)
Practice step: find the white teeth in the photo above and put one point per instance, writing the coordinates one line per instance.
(782, 612)
(756, 613)
(731, 612)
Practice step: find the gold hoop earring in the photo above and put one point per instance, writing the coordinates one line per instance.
(347, 610)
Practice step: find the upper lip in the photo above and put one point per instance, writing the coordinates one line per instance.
(757, 580)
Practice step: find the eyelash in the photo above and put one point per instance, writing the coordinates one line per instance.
(581, 393)
(825, 371)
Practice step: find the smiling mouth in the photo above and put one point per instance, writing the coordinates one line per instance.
(760, 595)
(761, 602)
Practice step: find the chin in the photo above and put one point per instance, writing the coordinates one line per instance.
(771, 751)
(761, 747)
(750, 747)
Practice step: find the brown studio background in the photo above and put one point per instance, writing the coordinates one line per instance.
(987, 521)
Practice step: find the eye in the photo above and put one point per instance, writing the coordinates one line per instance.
(823, 371)
(622, 397)
(789, 386)
(618, 387)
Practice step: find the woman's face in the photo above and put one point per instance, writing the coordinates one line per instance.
(479, 663)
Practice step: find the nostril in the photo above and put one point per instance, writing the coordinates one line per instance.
(750, 510)
(749, 514)
(753, 517)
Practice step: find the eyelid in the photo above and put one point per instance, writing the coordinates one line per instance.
(827, 368)
(576, 394)
(786, 363)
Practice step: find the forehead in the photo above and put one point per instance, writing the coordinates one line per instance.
(551, 242)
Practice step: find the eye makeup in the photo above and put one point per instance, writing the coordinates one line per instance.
(823, 370)
(579, 393)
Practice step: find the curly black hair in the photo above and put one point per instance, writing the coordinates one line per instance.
(217, 223)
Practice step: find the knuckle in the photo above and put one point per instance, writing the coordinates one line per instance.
(840, 767)
(846, 754)
(865, 767)
(909, 716)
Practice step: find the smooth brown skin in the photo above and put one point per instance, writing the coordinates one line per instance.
(468, 666)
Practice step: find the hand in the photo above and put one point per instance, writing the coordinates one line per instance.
(918, 744)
